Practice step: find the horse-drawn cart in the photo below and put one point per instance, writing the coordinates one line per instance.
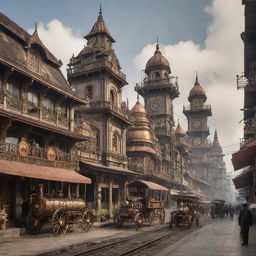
(144, 204)
(186, 212)
(60, 213)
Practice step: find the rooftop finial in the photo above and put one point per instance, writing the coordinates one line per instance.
(100, 13)
(157, 43)
(196, 82)
(138, 98)
(36, 27)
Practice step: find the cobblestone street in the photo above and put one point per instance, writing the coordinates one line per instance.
(221, 238)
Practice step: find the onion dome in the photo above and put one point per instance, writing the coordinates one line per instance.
(99, 28)
(157, 61)
(216, 147)
(179, 131)
(197, 91)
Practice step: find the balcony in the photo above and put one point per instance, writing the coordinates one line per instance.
(102, 64)
(105, 106)
(196, 108)
(38, 156)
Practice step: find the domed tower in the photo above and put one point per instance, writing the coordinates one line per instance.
(197, 114)
(158, 90)
(140, 147)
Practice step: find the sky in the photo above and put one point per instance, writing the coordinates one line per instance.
(194, 35)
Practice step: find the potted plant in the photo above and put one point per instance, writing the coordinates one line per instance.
(103, 215)
(3, 219)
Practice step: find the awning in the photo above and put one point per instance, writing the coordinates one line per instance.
(41, 172)
(192, 176)
(245, 156)
(245, 179)
(147, 184)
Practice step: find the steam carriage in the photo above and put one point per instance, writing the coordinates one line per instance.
(218, 208)
(186, 212)
(61, 213)
(144, 204)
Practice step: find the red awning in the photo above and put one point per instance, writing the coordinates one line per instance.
(147, 184)
(245, 156)
(245, 179)
(42, 172)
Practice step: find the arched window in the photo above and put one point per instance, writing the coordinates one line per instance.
(116, 143)
(112, 97)
(166, 76)
(89, 91)
(157, 75)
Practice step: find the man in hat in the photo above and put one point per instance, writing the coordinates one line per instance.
(245, 221)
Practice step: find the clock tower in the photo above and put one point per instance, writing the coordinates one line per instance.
(197, 114)
(158, 90)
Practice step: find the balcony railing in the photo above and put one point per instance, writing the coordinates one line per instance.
(101, 105)
(79, 69)
(196, 107)
(37, 156)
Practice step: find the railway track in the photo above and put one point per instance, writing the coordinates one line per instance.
(134, 245)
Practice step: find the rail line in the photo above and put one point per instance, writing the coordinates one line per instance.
(131, 244)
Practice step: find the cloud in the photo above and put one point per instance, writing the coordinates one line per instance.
(217, 62)
(60, 40)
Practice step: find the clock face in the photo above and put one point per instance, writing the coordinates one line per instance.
(155, 104)
(196, 141)
(196, 124)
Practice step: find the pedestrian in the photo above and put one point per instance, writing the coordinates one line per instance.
(231, 213)
(245, 221)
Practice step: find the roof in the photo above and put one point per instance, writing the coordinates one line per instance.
(41, 172)
(245, 156)
(157, 60)
(138, 108)
(197, 91)
(147, 184)
(179, 130)
(14, 45)
(185, 196)
(99, 27)
(244, 179)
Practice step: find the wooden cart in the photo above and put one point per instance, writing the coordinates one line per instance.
(218, 208)
(60, 213)
(145, 204)
(186, 212)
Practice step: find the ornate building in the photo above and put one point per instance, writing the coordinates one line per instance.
(95, 75)
(37, 128)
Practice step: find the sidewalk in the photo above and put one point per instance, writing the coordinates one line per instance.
(220, 238)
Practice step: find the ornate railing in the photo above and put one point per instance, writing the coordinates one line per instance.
(196, 107)
(95, 65)
(157, 82)
(13, 103)
(37, 156)
(63, 120)
(48, 115)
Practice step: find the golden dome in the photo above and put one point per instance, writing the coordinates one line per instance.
(138, 135)
(179, 131)
(138, 108)
(157, 60)
(197, 91)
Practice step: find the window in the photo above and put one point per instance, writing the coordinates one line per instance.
(64, 110)
(33, 62)
(89, 92)
(112, 97)
(14, 90)
(116, 143)
(157, 75)
(12, 136)
(48, 103)
(33, 97)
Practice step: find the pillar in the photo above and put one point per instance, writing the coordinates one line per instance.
(110, 202)
(98, 193)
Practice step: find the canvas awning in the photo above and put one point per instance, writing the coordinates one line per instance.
(245, 179)
(42, 172)
(245, 156)
(147, 184)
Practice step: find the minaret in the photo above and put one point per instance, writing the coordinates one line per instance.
(197, 114)
(158, 90)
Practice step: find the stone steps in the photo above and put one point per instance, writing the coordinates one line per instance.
(9, 234)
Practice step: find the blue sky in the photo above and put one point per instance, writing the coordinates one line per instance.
(194, 35)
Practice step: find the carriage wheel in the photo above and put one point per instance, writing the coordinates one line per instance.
(151, 217)
(59, 222)
(118, 221)
(33, 225)
(87, 221)
(138, 220)
(162, 216)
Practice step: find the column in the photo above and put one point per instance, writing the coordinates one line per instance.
(110, 202)
(98, 191)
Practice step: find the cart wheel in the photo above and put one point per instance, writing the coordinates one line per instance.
(138, 220)
(118, 221)
(59, 222)
(33, 225)
(162, 216)
(87, 221)
(151, 217)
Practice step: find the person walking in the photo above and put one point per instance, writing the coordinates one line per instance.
(245, 221)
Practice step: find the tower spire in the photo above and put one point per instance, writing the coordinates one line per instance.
(138, 98)
(157, 46)
(100, 12)
(196, 82)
